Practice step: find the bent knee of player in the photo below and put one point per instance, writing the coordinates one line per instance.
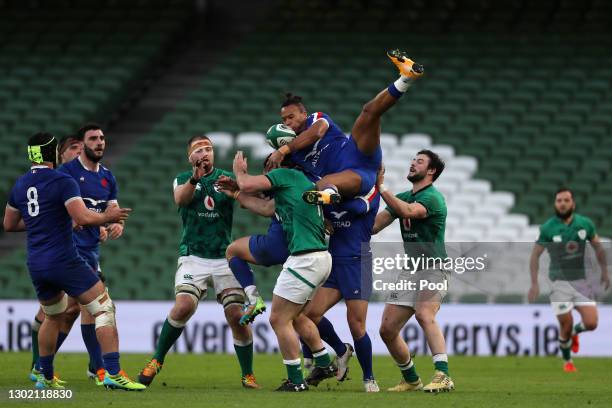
(182, 310)
(425, 317)
(357, 326)
(387, 332)
(71, 314)
(590, 324)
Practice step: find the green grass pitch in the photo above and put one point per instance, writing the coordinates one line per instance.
(211, 380)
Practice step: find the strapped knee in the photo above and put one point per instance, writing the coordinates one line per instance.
(103, 310)
(232, 297)
(56, 308)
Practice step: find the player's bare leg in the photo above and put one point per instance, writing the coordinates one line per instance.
(243, 340)
(393, 320)
(589, 320)
(323, 300)
(99, 304)
(566, 323)
(366, 132)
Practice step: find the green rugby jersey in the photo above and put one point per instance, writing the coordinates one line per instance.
(302, 223)
(207, 220)
(566, 244)
(428, 231)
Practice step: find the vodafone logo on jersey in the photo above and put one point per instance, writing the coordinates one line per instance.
(209, 203)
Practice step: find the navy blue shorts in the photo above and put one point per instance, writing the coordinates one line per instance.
(270, 249)
(352, 277)
(366, 166)
(74, 278)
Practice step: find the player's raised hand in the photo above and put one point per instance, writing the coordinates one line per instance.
(534, 292)
(116, 214)
(198, 169)
(227, 185)
(240, 163)
(275, 160)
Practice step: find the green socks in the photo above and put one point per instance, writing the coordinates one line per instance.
(167, 338)
(441, 362)
(409, 371)
(321, 358)
(294, 371)
(244, 352)
(566, 349)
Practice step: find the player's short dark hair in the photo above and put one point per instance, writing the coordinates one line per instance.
(291, 99)
(563, 190)
(80, 135)
(40, 138)
(65, 142)
(197, 137)
(435, 162)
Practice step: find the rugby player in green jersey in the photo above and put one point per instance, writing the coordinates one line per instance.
(206, 214)
(423, 220)
(307, 268)
(565, 236)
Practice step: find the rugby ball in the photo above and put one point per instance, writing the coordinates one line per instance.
(279, 135)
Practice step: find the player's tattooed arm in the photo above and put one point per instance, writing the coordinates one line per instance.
(534, 266)
(600, 252)
(304, 139)
(13, 222)
(246, 183)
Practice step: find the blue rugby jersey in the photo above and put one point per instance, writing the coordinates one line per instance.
(41, 195)
(98, 189)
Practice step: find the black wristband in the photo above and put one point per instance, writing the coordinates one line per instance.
(193, 181)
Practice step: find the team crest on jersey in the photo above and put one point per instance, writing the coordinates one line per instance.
(104, 182)
(582, 234)
(407, 224)
(209, 203)
(572, 247)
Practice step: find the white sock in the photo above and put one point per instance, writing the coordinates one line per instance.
(440, 357)
(252, 293)
(403, 83)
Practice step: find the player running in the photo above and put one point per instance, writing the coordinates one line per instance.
(565, 236)
(307, 267)
(44, 202)
(207, 215)
(350, 168)
(423, 220)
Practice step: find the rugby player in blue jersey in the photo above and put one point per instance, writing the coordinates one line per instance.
(45, 202)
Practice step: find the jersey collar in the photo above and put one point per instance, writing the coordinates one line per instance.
(423, 189)
(85, 167)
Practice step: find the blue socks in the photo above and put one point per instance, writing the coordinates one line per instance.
(329, 335)
(363, 349)
(61, 336)
(241, 270)
(394, 91)
(306, 350)
(111, 363)
(46, 366)
(93, 348)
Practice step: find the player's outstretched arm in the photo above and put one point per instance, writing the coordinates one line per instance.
(600, 252)
(13, 222)
(534, 266)
(84, 216)
(247, 183)
(304, 139)
(260, 206)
